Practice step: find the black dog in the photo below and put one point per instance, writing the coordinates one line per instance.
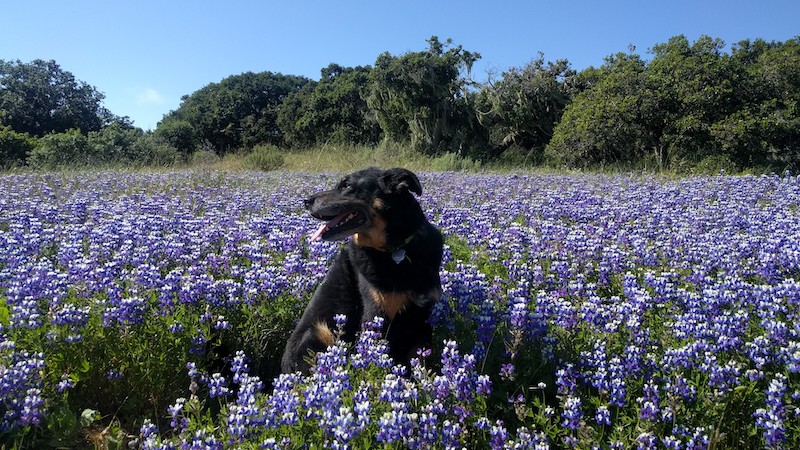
(390, 268)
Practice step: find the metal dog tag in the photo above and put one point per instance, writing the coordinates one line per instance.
(398, 256)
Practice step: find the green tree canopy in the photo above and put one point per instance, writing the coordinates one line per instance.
(610, 122)
(333, 110)
(766, 129)
(40, 98)
(691, 102)
(524, 106)
(240, 111)
(421, 97)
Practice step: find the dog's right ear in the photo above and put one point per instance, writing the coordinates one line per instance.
(398, 180)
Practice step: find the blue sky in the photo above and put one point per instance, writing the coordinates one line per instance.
(145, 55)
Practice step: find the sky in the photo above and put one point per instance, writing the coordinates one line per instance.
(145, 55)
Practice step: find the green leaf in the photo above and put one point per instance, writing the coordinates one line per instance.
(83, 367)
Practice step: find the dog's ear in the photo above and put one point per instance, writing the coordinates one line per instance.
(399, 180)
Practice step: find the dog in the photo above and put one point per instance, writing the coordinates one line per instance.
(390, 267)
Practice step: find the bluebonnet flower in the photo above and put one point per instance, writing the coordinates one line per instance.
(572, 412)
(507, 371)
(646, 440)
(603, 415)
(65, 383)
(370, 347)
(31, 412)
(217, 386)
(772, 418)
(619, 390)
(566, 379)
(649, 403)
(499, 435)
(283, 406)
(148, 434)
(175, 411)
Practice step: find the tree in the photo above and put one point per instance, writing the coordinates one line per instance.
(766, 130)
(696, 85)
(613, 121)
(240, 111)
(40, 98)
(523, 108)
(690, 103)
(333, 110)
(420, 97)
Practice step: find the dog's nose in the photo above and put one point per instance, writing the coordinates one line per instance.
(309, 202)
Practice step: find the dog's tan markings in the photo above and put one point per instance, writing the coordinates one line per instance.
(377, 203)
(324, 333)
(391, 302)
(374, 236)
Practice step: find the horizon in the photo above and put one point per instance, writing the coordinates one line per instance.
(186, 46)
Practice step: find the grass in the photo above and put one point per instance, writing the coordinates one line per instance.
(348, 158)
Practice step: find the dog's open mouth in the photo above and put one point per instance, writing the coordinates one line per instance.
(341, 226)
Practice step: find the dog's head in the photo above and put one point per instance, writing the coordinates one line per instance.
(374, 206)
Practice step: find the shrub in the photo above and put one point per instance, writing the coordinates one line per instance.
(451, 162)
(153, 151)
(203, 158)
(713, 165)
(14, 147)
(60, 150)
(265, 158)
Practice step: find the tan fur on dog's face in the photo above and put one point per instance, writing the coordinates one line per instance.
(374, 236)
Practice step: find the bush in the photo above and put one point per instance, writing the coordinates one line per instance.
(14, 147)
(60, 150)
(153, 151)
(450, 162)
(712, 165)
(203, 158)
(264, 157)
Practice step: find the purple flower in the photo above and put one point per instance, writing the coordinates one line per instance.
(217, 386)
(772, 418)
(603, 415)
(572, 412)
(65, 383)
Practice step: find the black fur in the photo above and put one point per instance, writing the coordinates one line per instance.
(386, 221)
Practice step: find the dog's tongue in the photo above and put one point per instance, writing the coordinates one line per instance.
(319, 232)
(327, 226)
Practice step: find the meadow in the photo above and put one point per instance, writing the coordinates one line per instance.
(149, 310)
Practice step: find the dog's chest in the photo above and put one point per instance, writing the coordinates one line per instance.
(393, 301)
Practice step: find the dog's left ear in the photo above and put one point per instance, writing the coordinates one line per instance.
(399, 180)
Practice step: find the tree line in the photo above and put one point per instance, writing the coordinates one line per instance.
(690, 104)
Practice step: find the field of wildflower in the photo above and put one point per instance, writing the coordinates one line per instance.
(149, 310)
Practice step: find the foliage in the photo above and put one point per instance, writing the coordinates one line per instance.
(451, 162)
(690, 107)
(524, 106)
(421, 97)
(264, 157)
(611, 122)
(332, 111)
(114, 145)
(14, 147)
(40, 98)
(692, 101)
(61, 150)
(239, 111)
